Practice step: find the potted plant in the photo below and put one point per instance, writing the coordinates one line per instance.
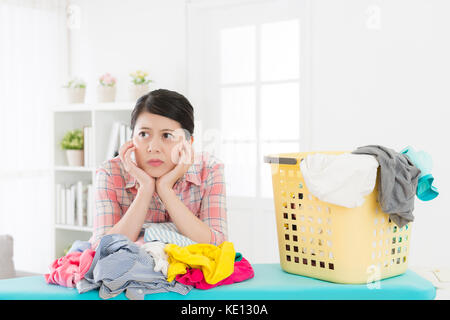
(139, 84)
(106, 90)
(75, 90)
(73, 143)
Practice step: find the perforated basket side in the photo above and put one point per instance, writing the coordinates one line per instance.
(329, 242)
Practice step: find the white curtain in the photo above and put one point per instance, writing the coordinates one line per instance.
(33, 61)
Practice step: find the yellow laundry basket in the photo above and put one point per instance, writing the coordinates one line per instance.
(330, 242)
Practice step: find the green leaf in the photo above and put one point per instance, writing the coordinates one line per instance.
(73, 140)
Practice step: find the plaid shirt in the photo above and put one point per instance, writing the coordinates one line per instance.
(201, 189)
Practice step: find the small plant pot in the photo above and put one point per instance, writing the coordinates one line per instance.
(106, 93)
(75, 158)
(75, 95)
(138, 90)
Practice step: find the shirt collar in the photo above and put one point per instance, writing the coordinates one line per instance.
(192, 175)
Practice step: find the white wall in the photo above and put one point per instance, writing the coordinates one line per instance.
(122, 36)
(387, 86)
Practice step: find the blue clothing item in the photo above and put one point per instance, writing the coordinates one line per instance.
(119, 265)
(80, 246)
(165, 232)
(425, 190)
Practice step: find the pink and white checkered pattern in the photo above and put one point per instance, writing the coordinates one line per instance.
(202, 190)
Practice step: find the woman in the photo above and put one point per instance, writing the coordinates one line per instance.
(169, 182)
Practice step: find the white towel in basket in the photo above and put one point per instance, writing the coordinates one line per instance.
(343, 179)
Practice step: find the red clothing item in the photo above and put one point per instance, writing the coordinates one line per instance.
(68, 270)
(194, 277)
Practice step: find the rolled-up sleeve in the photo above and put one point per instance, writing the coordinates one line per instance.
(107, 208)
(213, 209)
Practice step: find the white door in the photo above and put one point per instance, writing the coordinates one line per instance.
(248, 83)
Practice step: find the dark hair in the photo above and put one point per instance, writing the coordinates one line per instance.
(166, 103)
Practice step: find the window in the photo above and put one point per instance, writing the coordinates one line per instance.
(245, 69)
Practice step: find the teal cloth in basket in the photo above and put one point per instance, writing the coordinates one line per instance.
(270, 283)
(422, 160)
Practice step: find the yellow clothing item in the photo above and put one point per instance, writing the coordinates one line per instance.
(216, 262)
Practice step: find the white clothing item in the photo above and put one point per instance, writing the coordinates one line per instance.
(156, 250)
(343, 179)
(165, 232)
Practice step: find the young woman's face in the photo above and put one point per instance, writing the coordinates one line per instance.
(157, 137)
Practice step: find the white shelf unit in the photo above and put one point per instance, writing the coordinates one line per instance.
(100, 116)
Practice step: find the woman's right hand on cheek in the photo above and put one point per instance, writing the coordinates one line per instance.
(144, 179)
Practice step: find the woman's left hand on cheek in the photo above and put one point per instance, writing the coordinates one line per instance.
(185, 160)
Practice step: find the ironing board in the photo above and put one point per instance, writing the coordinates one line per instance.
(269, 283)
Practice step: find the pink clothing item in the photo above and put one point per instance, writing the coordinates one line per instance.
(202, 190)
(68, 270)
(194, 277)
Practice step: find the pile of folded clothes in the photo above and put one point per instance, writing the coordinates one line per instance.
(167, 261)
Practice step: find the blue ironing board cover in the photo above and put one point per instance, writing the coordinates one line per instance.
(270, 283)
